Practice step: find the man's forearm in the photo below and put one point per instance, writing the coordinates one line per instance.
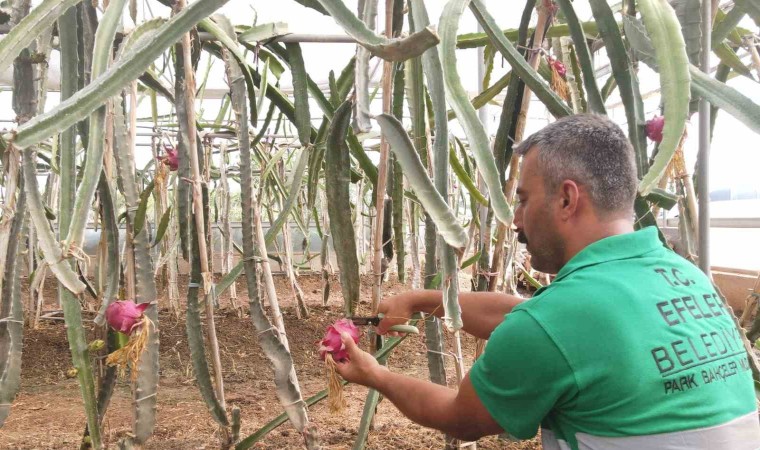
(459, 413)
(423, 402)
(481, 311)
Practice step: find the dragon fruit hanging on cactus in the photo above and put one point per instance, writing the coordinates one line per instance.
(171, 159)
(559, 77)
(129, 318)
(654, 128)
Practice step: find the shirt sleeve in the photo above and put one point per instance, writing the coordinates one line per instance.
(522, 375)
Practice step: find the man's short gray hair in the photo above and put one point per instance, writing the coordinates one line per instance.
(591, 150)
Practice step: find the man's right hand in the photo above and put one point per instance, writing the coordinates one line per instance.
(395, 310)
(482, 312)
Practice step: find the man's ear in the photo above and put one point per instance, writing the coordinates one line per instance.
(569, 196)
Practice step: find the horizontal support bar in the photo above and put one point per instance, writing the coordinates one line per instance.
(298, 38)
(725, 222)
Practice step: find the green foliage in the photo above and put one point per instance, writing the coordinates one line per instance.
(300, 93)
(465, 112)
(664, 35)
(551, 100)
(595, 102)
(670, 51)
(31, 26)
(131, 65)
(626, 81)
(142, 208)
(391, 50)
(337, 180)
(431, 200)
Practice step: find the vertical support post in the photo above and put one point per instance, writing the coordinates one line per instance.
(483, 116)
(382, 176)
(703, 167)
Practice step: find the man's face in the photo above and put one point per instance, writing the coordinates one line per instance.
(536, 218)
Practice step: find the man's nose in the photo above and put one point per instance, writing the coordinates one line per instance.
(517, 220)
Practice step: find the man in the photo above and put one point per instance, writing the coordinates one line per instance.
(628, 348)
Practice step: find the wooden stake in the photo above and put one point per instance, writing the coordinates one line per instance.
(200, 224)
(501, 230)
(382, 173)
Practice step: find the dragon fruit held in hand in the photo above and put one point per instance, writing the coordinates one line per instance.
(654, 128)
(125, 315)
(332, 343)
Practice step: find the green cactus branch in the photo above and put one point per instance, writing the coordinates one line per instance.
(93, 165)
(435, 75)
(434, 204)
(146, 386)
(11, 313)
(130, 66)
(388, 49)
(553, 102)
(595, 101)
(627, 83)
(111, 231)
(27, 30)
(381, 355)
(337, 180)
(670, 52)
(286, 383)
(466, 114)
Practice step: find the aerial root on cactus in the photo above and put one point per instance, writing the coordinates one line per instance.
(559, 84)
(160, 174)
(78, 253)
(208, 282)
(487, 273)
(129, 355)
(8, 213)
(677, 165)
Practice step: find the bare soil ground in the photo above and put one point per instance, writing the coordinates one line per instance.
(48, 414)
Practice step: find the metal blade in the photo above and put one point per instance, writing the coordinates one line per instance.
(365, 320)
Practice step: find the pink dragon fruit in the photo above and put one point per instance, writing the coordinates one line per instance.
(171, 159)
(550, 6)
(125, 315)
(557, 66)
(332, 343)
(654, 128)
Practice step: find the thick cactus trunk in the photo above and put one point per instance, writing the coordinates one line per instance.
(145, 287)
(11, 313)
(224, 197)
(272, 342)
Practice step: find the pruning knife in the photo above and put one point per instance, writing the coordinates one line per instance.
(374, 320)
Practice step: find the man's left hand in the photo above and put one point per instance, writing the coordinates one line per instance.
(361, 367)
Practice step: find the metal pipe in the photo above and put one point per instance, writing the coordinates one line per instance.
(721, 222)
(326, 38)
(287, 38)
(703, 158)
(298, 37)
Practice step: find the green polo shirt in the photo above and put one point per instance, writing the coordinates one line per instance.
(629, 340)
